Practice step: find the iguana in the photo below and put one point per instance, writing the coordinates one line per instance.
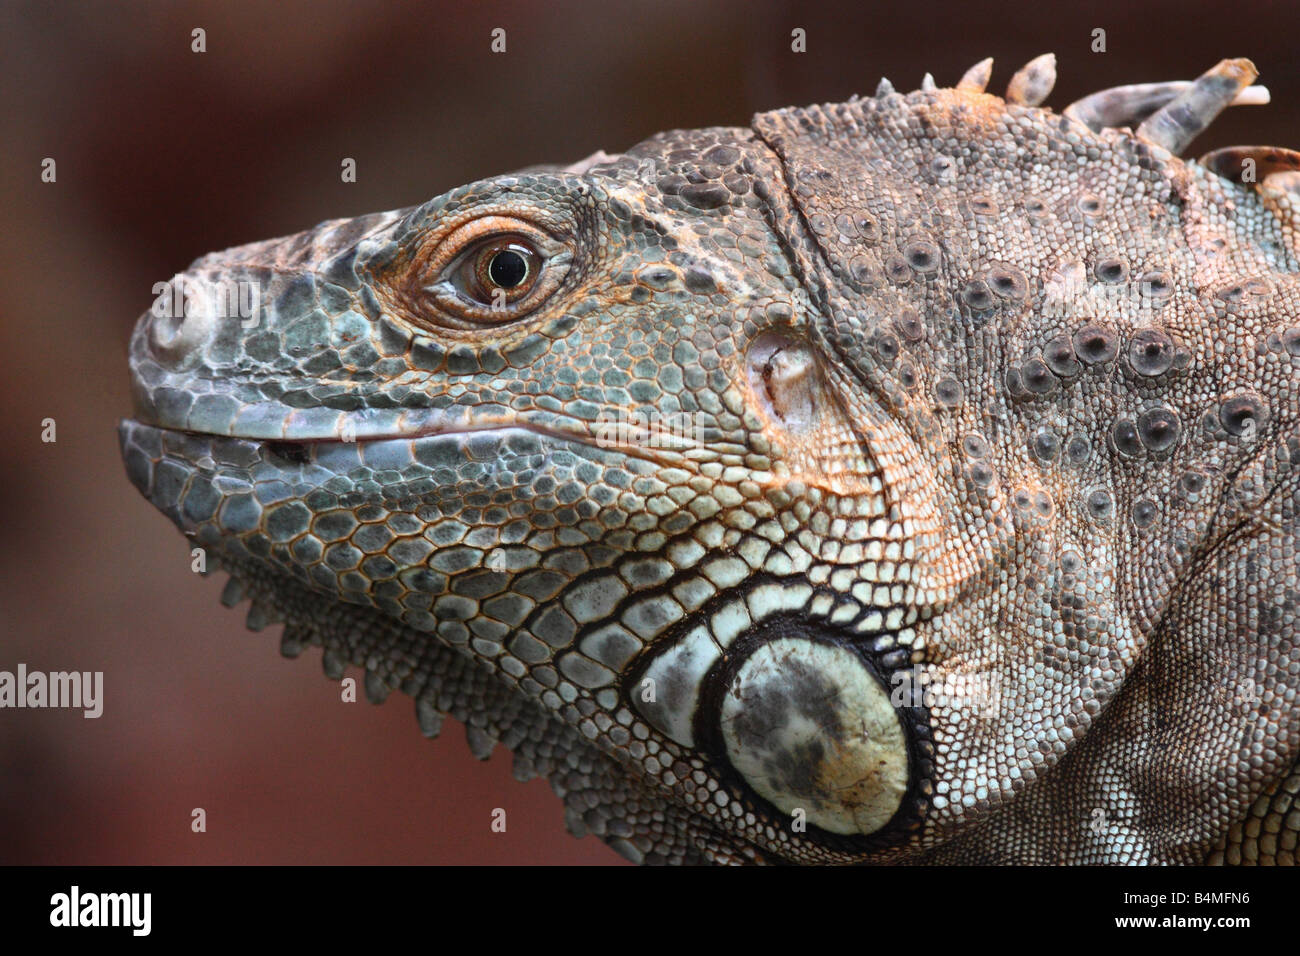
(914, 479)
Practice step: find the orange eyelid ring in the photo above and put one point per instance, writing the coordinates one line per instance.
(456, 242)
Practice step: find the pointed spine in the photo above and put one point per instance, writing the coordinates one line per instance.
(480, 741)
(1176, 124)
(293, 639)
(232, 593)
(1129, 105)
(1033, 82)
(376, 687)
(976, 79)
(333, 663)
(427, 716)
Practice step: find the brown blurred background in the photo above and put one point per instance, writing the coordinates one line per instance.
(164, 154)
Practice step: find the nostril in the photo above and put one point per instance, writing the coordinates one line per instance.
(166, 332)
(179, 322)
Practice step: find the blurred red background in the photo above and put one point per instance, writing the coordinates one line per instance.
(164, 154)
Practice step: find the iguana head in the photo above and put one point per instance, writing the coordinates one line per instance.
(733, 481)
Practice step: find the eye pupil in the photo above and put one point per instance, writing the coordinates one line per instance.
(507, 269)
(503, 273)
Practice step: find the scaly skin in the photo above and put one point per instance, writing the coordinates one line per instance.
(979, 399)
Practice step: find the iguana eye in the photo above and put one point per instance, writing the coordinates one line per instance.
(500, 271)
(490, 270)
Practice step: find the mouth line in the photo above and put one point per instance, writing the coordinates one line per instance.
(292, 447)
